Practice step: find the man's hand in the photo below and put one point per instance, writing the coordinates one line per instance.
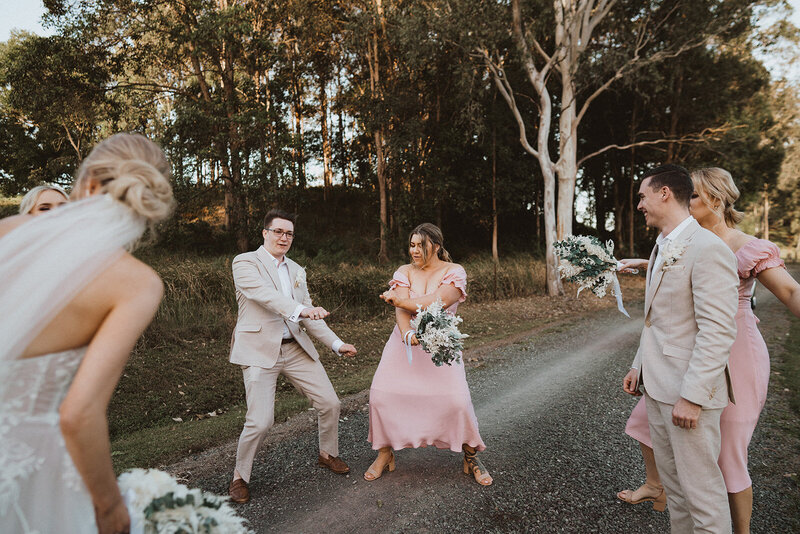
(348, 350)
(314, 313)
(685, 414)
(631, 382)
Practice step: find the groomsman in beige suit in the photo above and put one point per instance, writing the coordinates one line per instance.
(681, 364)
(271, 338)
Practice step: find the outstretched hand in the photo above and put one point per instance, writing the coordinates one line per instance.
(348, 350)
(314, 313)
(631, 265)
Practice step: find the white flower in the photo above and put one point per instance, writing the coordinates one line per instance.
(160, 504)
(671, 252)
(437, 332)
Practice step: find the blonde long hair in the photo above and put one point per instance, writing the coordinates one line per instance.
(133, 170)
(717, 184)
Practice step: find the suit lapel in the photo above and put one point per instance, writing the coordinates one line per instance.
(648, 295)
(269, 265)
(655, 281)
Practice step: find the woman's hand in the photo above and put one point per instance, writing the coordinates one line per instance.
(391, 297)
(630, 265)
(413, 339)
(113, 520)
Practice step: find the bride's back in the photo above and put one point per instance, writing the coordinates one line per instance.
(132, 173)
(124, 281)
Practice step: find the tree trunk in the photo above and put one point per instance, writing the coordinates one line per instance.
(672, 148)
(495, 255)
(766, 215)
(326, 141)
(383, 254)
(374, 79)
(568, 157)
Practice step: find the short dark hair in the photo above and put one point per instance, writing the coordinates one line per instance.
(278, 214)
(675, 177)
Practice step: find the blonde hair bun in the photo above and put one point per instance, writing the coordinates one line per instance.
(133, 170)
(717, 184)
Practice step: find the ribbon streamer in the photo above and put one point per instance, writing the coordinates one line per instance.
(407, 343)
(618, 294)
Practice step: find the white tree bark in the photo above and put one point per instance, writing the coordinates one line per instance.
(575, 23)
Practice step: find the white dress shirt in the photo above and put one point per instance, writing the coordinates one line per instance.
(662, 241)
(286, 289)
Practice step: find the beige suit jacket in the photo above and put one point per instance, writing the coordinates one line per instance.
(264, 309)
(689, 323)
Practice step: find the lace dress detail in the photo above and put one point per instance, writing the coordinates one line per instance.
(40, 489)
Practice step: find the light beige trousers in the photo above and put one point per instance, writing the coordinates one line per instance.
(310, 379)
(687, 462)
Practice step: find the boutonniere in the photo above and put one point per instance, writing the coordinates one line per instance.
(671, 253)
(301, 278)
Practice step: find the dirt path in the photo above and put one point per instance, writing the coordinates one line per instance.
(552, 413)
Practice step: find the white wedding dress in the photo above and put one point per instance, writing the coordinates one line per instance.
(44, 263)
(40, 489)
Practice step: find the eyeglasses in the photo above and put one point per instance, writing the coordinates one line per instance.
(280, 233)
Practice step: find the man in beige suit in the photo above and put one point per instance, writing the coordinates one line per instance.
(272, 338)
(690, 304)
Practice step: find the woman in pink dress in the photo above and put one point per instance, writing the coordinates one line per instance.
(416, 404)
(712, 206)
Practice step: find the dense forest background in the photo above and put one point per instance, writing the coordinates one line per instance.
(507, 123)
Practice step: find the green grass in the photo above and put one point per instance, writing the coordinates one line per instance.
(9, 206)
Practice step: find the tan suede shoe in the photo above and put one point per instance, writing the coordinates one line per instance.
(334, 463)
(239, 491)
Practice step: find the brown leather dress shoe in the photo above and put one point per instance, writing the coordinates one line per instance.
(334, 463)
(239, 491)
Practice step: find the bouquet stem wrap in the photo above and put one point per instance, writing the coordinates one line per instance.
(407, 342)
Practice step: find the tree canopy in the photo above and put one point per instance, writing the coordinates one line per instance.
(370, 116)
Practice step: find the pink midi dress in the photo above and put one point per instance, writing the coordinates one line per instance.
(419, 404)
(749, 370)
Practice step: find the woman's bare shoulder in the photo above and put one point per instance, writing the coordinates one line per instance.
(9, 223)
(133, 277)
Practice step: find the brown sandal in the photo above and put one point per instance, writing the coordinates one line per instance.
(659, 500)
(474, 466)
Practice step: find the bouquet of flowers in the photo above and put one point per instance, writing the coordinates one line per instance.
(437, 332)
(586, 261)
(158, 504)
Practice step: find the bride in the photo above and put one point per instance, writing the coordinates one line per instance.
(72, 305)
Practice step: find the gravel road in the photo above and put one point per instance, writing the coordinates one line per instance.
(552, 413)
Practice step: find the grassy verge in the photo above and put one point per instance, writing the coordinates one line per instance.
(192, 379)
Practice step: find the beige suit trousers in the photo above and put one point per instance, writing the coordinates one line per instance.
(687, 463)
(310, 379)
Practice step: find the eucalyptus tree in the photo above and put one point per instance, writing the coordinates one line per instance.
(573, 51)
